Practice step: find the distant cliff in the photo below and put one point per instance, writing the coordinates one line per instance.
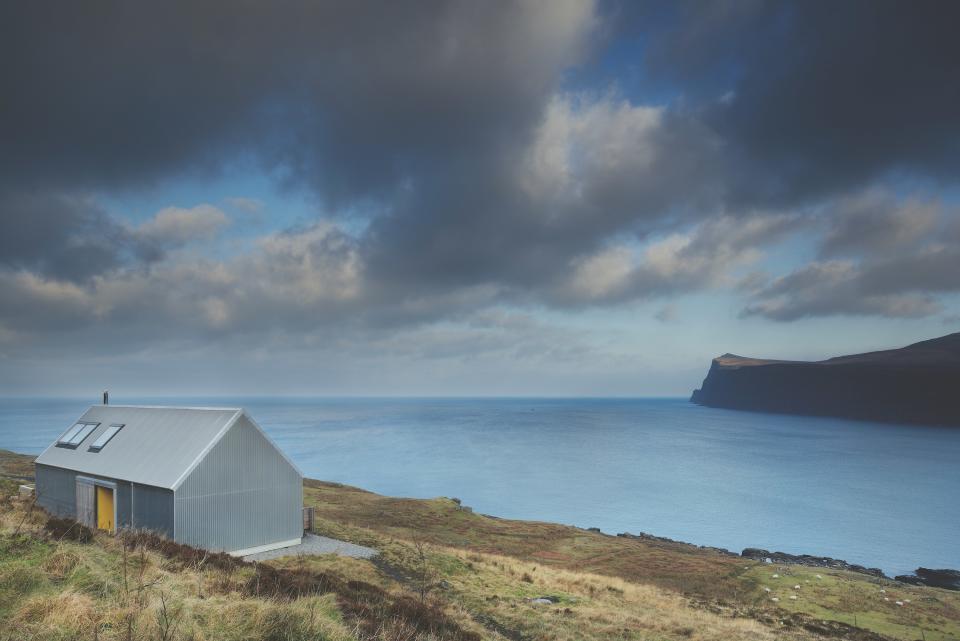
(919, 383)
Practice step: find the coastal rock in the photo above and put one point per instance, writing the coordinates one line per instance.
(948, 579)
(914, 384)
(767, 556)
(545, 600)
(643, 536)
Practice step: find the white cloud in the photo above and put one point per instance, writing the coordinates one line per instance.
(247, 205)
(876, 221)
(835, 287)
(176, 226)
(581, 139)
(308, 266)
(604, 274)
(703, 257)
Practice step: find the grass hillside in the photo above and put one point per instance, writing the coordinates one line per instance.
(443, 573)
(827, 602)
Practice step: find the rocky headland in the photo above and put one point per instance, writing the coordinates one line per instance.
(913, 384)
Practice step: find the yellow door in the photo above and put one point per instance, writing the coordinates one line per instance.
(105, 508)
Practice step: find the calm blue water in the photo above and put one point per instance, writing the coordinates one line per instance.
(881, 495)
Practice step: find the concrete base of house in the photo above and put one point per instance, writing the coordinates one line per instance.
(266, 548)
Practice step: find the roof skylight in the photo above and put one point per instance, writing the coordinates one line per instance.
(104, 438)
(69, 434)
(75, 435)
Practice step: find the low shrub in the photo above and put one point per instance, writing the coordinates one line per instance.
(68, 529)
(184, 555)
(59, 564)
(377, 613)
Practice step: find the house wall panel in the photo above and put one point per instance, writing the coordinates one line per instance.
(152, 509)
(138, 506)
(56, 491)
(243, 494)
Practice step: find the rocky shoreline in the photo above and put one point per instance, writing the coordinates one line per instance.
(758, 554)
(643, 536)
(940, 578)
(947, 579)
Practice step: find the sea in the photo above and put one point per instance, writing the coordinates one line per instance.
(875, 494)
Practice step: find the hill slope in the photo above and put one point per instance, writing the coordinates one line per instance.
(914, 384)
(444, 572)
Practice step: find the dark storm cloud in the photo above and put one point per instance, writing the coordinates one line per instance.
(64, 237)
(413, 109)
(880, 256)
(841, 288)
(876, 222)
(594, 167)
(72, 238)
(449, 124)
(352, 97)
(899, 286)
(814, 102)
(825, 96)
(425, 113)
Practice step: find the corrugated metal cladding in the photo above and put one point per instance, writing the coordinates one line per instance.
(57, 490)
(138, 506)
(243, 494)
(152, 509)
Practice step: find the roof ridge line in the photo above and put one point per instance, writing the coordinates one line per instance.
(174, 407)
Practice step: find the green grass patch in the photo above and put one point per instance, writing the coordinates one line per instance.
(859, 600)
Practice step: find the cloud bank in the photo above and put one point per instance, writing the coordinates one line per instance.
(471, 160)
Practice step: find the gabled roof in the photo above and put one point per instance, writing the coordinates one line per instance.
(157, 446)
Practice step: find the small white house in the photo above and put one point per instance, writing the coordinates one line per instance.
(206, 477)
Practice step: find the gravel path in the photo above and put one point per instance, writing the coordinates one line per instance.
(313, 544)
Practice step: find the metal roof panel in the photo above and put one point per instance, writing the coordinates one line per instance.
(156, 446)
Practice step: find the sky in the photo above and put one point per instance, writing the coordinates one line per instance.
(557, 198)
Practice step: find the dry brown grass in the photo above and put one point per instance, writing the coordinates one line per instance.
(677, 566)
(68, 612)
(589, 606)
(59, 564)
(16, 466)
